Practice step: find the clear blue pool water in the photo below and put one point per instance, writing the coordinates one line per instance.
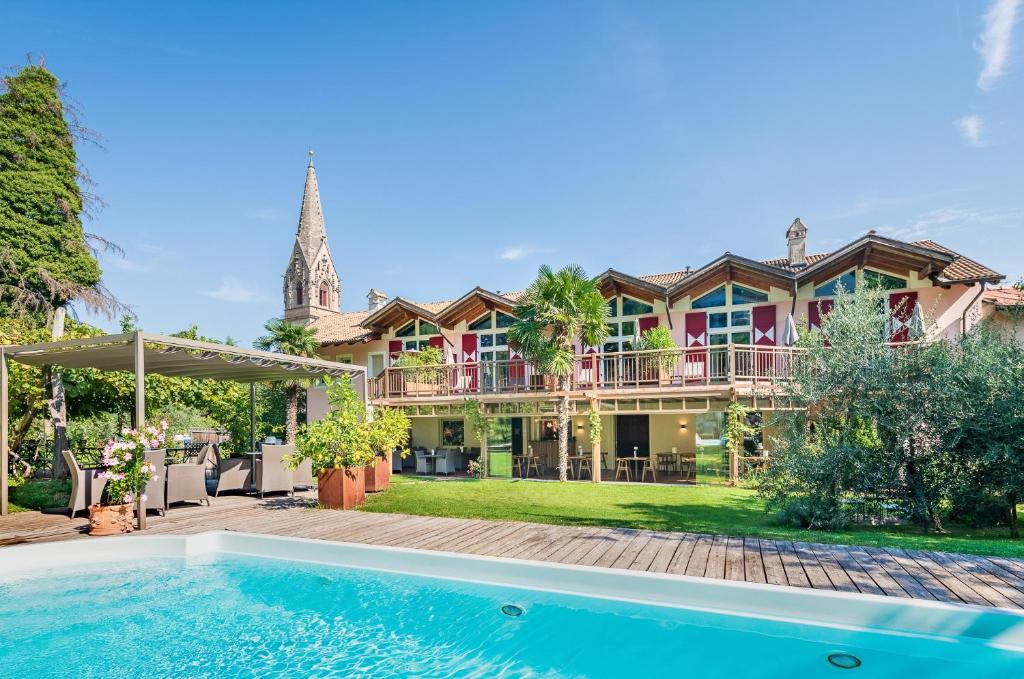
(248, 617)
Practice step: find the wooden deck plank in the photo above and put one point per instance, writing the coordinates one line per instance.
(774, 571)
(993, 581)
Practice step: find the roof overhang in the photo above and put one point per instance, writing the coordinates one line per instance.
(471, 305)
(879, 251)
(727, 269)
(613, 282)
(395, 313)
(176, 357)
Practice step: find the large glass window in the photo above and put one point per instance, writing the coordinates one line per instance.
(622, 330)
(632, 307)
(742, 295)
(848, 282)
(407, 330)
(883, 281)
(416, 335)
(453, 433)
(503, 320)
(710, 300)
(499, 447)
(482, 323)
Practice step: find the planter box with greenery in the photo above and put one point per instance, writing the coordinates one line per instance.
(343, 446)
(424, 374)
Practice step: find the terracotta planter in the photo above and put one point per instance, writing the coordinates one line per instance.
(378, 474)
(110, 519)
(342, 488)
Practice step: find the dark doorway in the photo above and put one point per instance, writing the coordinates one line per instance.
(517, 435)
(630, 431)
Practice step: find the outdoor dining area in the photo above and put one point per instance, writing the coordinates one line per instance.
(195, 472)
(666, 467)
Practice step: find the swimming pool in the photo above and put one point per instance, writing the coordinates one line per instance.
(230, 604)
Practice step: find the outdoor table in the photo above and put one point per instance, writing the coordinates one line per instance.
(433, 461)
(573, 459)
(253, 456)
(637, 461)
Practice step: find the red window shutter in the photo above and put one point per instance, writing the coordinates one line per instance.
(696, 329)
(469, 348)
(764, 325)
(647, 322)
(816, 309)
(901, 308)
(394, 348)
(437, 341)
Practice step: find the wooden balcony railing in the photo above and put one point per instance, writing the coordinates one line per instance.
(696, 367)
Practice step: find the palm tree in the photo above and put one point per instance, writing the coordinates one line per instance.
(557, 309)
(297, 340)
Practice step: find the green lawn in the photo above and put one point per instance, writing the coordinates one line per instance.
(41, 494)
(703, 509)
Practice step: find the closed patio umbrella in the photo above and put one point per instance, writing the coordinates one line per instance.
(915, 324)
(789, 334)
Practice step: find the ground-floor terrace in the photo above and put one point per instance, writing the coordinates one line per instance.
(956, 578)
(646, 440)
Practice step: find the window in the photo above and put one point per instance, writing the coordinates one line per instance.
(482, 323)
(712, 299)
(742, 295)
(324, 294)
(848, 281)
(613, 307)
(428, 328)
(740, 318)
(298, 294)
(418, 334)
(632, 307)
(407, 330)
(503, 320)
(882, 281)
(453, 433)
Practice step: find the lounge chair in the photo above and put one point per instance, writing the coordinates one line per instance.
(86, 489)
(155, 495)
(235, 473)
(272, 475)
(186, 482)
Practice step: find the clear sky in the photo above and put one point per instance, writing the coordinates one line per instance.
(466, 143)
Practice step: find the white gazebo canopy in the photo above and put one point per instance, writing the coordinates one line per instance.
(143, 352)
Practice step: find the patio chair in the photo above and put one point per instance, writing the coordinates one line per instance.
(235, 473)
(422, 464)
(155, 487)
(86, 489)
(186, 481)
(272, 475)
(396, 463)
(444, 463)
(622, 466)
(302, 476)
(648, 467)
(585, 467)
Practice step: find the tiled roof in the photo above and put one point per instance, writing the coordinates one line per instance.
(346, 328)
(1004, 297)
(962, 268)
(667, 279)
(783, 262)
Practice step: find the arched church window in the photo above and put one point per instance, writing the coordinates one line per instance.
(324, 294)
(298, 294)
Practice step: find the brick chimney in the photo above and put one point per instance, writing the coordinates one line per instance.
(796, 237)
(375, 300)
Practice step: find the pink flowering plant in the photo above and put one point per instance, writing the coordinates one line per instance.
(124, 463)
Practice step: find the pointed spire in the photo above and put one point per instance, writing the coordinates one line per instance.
(312, 231)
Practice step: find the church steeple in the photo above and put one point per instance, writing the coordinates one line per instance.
(311, 285)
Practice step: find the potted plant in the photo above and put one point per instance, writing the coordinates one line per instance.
(389, 434)
(127, 473)
(339, 447)
(424, 374)
(662, 359)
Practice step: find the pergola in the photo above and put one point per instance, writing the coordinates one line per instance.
(142, 353)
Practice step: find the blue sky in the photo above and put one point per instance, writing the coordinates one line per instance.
(466, 143)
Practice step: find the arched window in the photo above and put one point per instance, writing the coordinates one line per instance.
(324, 294)
(298, 294)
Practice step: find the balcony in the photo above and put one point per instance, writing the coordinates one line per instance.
(676, 370)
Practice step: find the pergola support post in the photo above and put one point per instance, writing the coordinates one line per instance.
(252, 417)
(139, 348)
(595, 462)
(4, 415)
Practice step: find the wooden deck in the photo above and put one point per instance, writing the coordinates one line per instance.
(957, 578)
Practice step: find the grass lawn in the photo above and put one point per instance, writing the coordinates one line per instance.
(35, 495)
(701, 509)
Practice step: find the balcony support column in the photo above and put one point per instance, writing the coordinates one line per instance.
(595, 455)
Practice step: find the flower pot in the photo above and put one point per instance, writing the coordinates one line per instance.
(110, 519)
(378, 474)
(341, 488)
